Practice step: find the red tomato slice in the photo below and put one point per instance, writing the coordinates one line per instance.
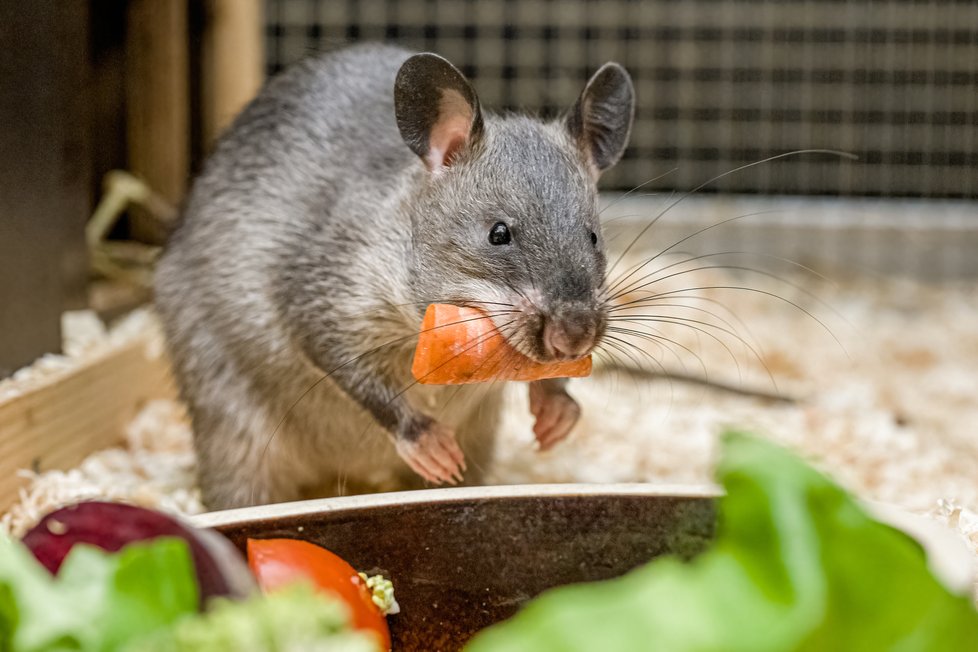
(278, 562)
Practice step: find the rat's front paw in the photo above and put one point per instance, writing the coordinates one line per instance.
(555, 411)
(433, 453)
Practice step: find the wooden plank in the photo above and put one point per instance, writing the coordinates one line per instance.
(232, 62)
(44, 183)
(158, 104)
(58, 423)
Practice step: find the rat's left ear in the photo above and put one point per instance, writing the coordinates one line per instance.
(436, 108)
(601, 119)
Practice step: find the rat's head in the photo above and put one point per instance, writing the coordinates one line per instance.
(507, 216)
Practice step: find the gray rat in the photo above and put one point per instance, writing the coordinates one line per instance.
(357, 188)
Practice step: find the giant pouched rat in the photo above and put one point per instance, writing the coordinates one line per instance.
(357, 188)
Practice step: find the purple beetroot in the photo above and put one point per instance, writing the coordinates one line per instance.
(221, 570)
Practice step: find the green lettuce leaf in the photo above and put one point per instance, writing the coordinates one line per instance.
(295, 619)
(144, 599)
(98, 601)
(797, 566)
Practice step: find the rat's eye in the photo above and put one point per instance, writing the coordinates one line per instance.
(499, 234)
(594, 238)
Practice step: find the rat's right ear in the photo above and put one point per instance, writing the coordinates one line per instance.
(437, 109)
(601, 119)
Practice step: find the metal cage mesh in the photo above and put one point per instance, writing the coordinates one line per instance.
(719, 83)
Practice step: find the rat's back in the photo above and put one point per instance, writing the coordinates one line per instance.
(317, 146)
(286, 188)
(325, 124)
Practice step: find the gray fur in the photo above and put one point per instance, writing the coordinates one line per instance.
(314, 237)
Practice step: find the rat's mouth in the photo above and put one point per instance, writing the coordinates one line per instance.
(569, 332)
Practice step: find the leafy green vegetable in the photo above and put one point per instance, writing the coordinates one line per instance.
(292, 620)
(144, 599)
(98, 601)
(797, 566)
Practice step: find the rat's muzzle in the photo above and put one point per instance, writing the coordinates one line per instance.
(571, 331)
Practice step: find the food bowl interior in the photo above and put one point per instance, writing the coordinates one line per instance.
(463, 559)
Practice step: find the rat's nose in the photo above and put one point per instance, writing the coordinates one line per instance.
(570, 334)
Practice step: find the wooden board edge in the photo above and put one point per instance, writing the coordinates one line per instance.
(60, 421)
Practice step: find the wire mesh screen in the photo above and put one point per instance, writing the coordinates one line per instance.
(719, 83)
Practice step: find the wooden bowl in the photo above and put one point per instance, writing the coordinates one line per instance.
(462, 559)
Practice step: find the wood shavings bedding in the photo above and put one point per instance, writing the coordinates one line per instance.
(889, 409)
(156, 469)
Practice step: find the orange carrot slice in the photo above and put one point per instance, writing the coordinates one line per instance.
(459, 345)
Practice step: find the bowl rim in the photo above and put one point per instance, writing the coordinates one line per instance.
(450, 494)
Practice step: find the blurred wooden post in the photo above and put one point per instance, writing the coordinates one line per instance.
(232, 62)
(158, 103)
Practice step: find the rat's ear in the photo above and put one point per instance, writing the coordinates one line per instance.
(601, 119)
(437, 109)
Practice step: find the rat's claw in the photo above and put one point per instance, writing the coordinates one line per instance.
(434, 455)
(556, 413)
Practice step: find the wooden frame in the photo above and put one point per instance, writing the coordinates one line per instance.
(71, 414)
